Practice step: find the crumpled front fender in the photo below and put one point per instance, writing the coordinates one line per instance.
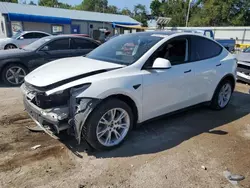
(80, 113)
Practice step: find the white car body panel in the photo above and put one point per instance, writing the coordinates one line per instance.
(160, 91)
(55, 71)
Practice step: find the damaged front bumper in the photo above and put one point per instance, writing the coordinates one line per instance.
(52, 121)
(243, 72)
(72, 116)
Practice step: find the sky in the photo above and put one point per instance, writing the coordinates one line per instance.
(119, 3)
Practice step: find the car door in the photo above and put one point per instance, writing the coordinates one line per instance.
(56, 49)
(168, 90)
(81, 46)
(207, 64)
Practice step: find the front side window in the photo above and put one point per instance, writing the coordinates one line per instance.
(28, 36)
(176, 51)
(125, 49)
(202, 48)
(60, 44)
(37, 44)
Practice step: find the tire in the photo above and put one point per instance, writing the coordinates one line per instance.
(93, 126)
(10, 46)
(216, 102)
(7, 73)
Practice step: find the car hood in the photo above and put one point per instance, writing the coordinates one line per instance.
(5, 40)
(12, 53)
(245, 57)
(66, 70)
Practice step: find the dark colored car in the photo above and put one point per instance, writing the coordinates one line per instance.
(15, 64)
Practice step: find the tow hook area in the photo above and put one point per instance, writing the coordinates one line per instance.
(80, 112)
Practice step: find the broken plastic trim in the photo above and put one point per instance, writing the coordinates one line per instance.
(80, 114)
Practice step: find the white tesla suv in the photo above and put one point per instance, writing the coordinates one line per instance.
(128, 80)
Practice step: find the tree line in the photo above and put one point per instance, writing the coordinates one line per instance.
(202, 12)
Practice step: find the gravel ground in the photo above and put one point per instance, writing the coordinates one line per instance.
(165, 153)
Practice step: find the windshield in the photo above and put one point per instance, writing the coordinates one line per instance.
(124, 49)
(35, 45)
(15, 36)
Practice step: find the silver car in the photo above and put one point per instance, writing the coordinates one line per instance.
(21, 39)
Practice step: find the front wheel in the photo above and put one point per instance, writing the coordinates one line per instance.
(108, 125)
(222, 95)
(13, 74)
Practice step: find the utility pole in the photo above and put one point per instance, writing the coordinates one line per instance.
(187, 18)
(103, 12)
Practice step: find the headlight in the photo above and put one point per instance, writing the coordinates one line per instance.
(74, 90)
(78, 89)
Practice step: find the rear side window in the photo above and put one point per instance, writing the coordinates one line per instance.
(202, 48)
(82, 44)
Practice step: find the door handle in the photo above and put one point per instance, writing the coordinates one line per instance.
(218, 65)
(188, 71)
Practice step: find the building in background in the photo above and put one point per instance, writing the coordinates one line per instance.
(19, 17)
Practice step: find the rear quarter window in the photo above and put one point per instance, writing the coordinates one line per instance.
(202, 48)
(82, 44)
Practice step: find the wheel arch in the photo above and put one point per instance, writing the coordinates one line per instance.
(10, 44)
(229, 77)
(129, 101)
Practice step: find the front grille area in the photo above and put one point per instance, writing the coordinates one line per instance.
(243, 68)
(45, 102)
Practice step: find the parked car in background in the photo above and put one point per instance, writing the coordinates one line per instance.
(127, 80)
(21, 39)
(229, 44)
(243, 69)
(16, 63)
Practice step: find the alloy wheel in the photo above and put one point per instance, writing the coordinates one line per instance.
(224, 95)
(15, 75)
(113, 127)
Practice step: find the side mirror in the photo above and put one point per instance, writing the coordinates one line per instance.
(45, 48)
(21, 38)
(161, 63)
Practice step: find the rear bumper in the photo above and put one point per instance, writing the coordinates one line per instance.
(52, 121)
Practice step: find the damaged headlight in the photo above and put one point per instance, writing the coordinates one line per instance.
(79, 89)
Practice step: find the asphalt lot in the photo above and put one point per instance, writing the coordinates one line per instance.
(165, 153)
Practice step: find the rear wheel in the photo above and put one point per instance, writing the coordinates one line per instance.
(10, 46)
(108, 125)
(222, 95)
(14, 74)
